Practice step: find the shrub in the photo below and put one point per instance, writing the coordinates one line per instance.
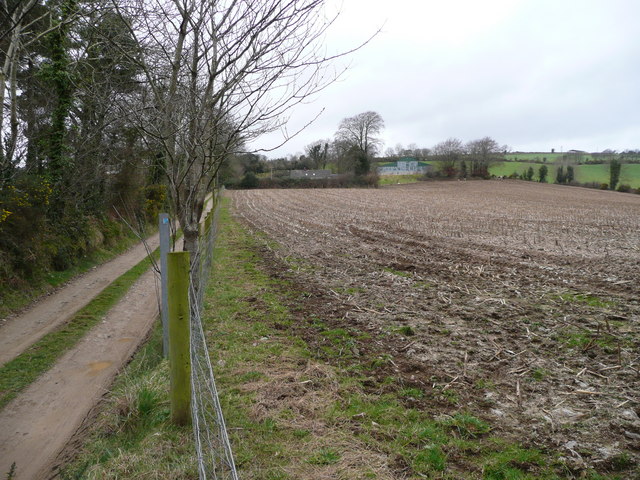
(614, 173)
(249, 181)
(155, 199)
(340, 181)
(604, 186)
(624, 188)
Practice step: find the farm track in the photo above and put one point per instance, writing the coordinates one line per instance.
(19, 332)
(39, 428)
(523, 298)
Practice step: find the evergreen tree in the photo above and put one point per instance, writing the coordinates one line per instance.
(569, 177)
(529, 174)
(542, 174)
(614, 173)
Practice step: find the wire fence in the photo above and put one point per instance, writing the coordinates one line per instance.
(214, 454)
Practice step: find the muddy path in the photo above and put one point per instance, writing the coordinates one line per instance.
(19, 332)
(517, 302)
(38, 423)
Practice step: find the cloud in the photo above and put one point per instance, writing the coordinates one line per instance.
(530, 73)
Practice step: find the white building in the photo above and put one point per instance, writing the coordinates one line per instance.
(404, 166)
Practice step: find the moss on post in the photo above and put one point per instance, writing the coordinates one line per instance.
(179, 358)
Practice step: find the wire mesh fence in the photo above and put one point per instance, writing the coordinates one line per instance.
(214, 454)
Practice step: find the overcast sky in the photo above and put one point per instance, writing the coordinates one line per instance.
(532, 74)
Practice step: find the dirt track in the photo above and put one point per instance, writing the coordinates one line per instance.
(19, 332)
(516, 301)
(37, 424)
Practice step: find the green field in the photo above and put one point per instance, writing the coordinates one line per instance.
(541, 156)
(398, 179)
(630, 173)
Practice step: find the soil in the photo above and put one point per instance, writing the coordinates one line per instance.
(19, 332)
(517, 302)
(35, 427)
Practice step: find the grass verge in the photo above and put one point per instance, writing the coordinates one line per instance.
(20, 372)
(294, 410)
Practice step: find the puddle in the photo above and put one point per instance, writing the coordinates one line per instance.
(97, 367)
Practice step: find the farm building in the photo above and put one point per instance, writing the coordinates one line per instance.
(404, 166)
(312, 174)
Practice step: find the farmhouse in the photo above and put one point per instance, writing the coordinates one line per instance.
(404, 166)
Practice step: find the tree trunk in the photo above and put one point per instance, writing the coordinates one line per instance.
(191, 241)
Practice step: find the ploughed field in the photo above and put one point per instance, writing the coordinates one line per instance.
(514, 301)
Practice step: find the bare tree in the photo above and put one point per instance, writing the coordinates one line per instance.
(219, 74)
(482, 153)
(449, 153)
(318, 153)
(360, 132)
(16, 33)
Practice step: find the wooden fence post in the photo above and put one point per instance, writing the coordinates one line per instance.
(207, 225)
(179, 333)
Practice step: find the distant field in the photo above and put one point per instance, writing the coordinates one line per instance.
(540, 156)
(629, 175)
(533, 156)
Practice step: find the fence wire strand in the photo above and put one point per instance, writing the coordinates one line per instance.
(213, 449)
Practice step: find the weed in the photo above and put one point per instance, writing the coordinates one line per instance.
(397, 273)
(467, 426)
(621, 462)
(411, 393)
(587, 299)
(380, 361)
(484, 384)
(406, 330)
(326, 456)
(429, 459)
(12, 472)
(512, 463)
(538, 374)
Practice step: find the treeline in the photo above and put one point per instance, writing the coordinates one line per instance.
(70, 162)
(112, 107)
(349, 154)
(354, 152)
(250, 181)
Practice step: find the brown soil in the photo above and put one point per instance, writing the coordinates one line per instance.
(515, 301)
(19, 332)
(35, 427)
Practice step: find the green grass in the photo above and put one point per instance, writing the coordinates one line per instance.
(398, 179)
(20, 372)
(293, 410)
(587, 299)
(629, 174)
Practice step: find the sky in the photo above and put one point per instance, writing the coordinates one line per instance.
(532, 74)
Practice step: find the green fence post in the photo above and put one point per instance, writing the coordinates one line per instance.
(179, 332)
